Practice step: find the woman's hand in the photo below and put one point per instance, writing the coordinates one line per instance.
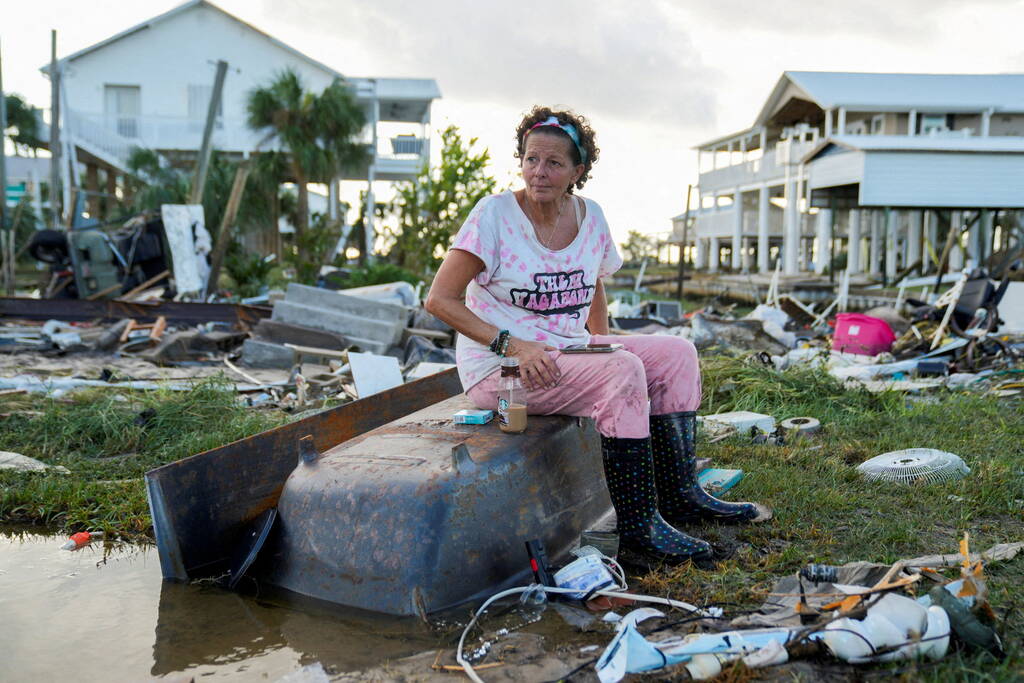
(536, 368)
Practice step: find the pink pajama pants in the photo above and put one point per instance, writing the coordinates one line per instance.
(651, 375)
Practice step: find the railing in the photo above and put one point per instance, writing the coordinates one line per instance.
(115, 136)
(401, 154)
(712, 223)
(114, 146)
(406, 144)
(769, 167)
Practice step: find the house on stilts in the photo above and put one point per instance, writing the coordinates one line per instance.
(150, 86)
(864, 171)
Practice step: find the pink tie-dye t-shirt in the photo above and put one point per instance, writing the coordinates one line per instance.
(533, 292)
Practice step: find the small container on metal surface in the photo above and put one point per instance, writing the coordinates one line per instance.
(511, 398)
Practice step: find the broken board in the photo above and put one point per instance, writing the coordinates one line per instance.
(184, 228)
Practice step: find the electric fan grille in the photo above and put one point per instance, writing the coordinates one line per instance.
(914, 466)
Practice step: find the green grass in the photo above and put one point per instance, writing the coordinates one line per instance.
(108, 440)
(826, 513)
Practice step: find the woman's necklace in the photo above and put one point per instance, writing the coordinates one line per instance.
(554, 226)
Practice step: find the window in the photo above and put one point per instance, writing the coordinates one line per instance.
(122, 105)
(877, 124)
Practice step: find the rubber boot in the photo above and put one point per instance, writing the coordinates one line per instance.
(681, 499)
(642, 531)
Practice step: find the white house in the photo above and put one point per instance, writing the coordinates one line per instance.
(866, 165)
(151, 86)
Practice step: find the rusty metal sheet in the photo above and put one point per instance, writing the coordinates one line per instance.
(179, 312)
(200, 505)
(421, 514)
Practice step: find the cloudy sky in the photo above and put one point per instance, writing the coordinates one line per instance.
(655, 77)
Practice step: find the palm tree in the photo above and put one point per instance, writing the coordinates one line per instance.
(316, 131)
(22, 125)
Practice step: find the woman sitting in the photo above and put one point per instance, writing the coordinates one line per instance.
(523, 279)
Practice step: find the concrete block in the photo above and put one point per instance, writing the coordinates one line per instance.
(353, 317)
(401, 293)
(344, 303)
(259, 354)
(283, 333)
(366, 333)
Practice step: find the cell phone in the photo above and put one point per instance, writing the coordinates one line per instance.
(591, 348)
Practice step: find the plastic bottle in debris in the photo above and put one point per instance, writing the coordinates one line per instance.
(533, 602)
(511, 398)
(82, 538)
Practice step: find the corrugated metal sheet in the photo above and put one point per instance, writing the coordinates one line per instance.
(943, 179)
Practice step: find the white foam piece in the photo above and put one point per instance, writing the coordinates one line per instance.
(373, 374)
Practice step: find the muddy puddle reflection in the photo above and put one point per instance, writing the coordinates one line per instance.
(104, 613)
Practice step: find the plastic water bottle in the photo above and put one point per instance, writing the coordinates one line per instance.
(533, 602)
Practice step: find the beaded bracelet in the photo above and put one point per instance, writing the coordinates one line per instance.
(500, 343)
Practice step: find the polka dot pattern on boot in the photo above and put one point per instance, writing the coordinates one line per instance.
(681, 498)
(629, 472)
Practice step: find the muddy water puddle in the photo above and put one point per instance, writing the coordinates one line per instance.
(105, 613)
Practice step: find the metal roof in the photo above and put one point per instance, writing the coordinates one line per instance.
(896, 92)
(901, 91)
(397, 88)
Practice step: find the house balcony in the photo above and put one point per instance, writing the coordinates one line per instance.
(770, 167)
(398, 157)
(719, 223)
(111, 139)
(117, 135)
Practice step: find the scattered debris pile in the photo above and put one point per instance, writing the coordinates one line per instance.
(962, 339)
(860, 613)
(312, 344)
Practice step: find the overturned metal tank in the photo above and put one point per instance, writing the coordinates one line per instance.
(422, 514)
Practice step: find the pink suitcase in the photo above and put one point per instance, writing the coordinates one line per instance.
(862, 334)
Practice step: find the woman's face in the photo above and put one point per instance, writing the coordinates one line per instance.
(547, 166)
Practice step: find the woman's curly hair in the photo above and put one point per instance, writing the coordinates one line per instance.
(586, 133)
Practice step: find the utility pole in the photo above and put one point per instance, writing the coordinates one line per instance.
(55, 208)
(682, 245)
(203, 162)
(226, 224)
